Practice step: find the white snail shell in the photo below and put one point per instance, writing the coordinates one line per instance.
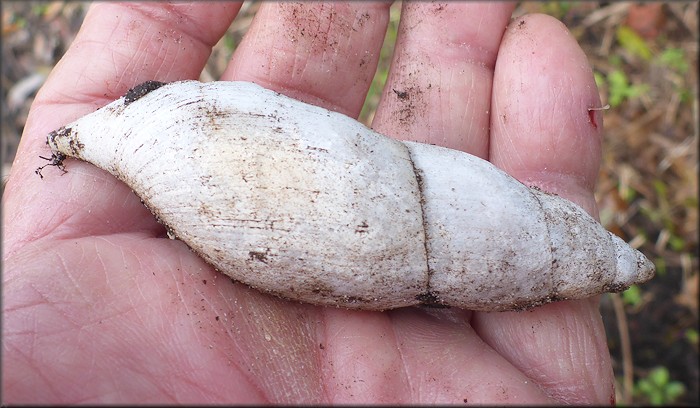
(311, 205)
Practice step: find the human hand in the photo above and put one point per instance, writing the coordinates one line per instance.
(100, 306)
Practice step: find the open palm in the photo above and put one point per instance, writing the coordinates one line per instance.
(100, 306)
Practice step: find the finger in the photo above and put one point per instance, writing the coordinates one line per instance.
(544, 135)
(118, 46)
(561, 347)
(447, 363)
(439, 85)
(416, 356)
(543, 131)
(321, 53)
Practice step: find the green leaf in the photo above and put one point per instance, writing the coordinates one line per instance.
(615, 60)
(628, 194)
(691, 202)
(660, 264)
(632, 42)
(675, 58)
(658, 388)
(645, 387)
(677, 243)
(40, 9)
(632, 296)
(620, 89)
(617, 87)
(692, 336)
(229, 42)
(660, 187)
(557, 9)
(659, 376)
(674, 390)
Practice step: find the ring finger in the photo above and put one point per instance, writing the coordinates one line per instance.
(439, 87)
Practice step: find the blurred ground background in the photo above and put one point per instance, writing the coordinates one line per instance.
(645, 58)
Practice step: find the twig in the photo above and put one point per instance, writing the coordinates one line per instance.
(627, 363)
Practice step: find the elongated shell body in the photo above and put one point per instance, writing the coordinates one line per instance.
(311, 205)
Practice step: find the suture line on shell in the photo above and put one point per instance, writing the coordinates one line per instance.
(427, 297)
(311, 205)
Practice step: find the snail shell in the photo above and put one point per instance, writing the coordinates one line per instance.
(311, 205)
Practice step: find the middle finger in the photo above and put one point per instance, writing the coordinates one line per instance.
(320, 53)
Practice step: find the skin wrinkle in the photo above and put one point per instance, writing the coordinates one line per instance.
(478, 25)
(324, 360)
(63, 229)
(92, 204)
(537, 372)
(499, 111)
(311, 91)
(300, 63)
(586, 344)
(136, 311)
(138, 374)
(29, 240)
(158, 382)
(563, 390)
(515, 155)
(207, 302)
(444, 116)
(273, 392)
(32, 349)
(558, 105)
(139, 58)
(476, 54)
(70, 99)
(247, 375)
(45, 381)
(345, 369)
(557, 137)
(326, 33)
(155, 26)
(468, 107)
(92, 399)
(177, 390)
(166, 46)
(90, 372)
(266, 390)
(415, 389)
(75, 282)
(128, 68)
(183, 27)
(134, 303)
(80, 76)
(100, 259)
(107, 318)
